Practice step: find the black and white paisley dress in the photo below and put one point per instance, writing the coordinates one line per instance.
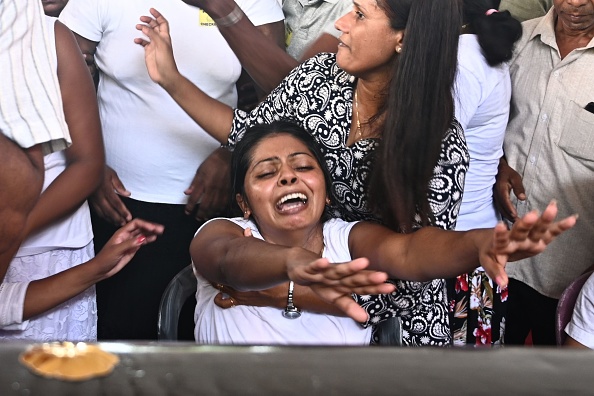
(318, 96)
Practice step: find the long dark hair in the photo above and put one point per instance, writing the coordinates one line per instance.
(497, 32)
(243, 153)
(419, 108)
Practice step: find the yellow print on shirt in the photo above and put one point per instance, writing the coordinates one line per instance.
(205, 19)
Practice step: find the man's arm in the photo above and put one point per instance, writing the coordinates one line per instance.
(265, 60)
(21, 180)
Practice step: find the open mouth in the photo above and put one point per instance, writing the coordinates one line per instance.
(291, 201)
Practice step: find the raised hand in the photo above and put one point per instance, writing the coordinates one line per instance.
(124, 244)
(528, 236)
(158, 51)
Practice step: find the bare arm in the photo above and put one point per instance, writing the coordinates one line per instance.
(88, 48)
(570, 342)
(222, 254)
(213, 116)
(431, 253)
(85, 157)
(325, 43)
(303, 296)
(47, 293)
(21, 180)
(265, 60)
(105, 200)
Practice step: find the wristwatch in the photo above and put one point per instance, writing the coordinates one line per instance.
(291, 311)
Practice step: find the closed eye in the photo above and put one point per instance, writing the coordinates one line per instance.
(264, 175)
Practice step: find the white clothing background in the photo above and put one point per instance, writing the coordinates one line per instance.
(153, 145)
(581, 326)
(482, 103)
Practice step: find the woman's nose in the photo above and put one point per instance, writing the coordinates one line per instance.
(288, 179)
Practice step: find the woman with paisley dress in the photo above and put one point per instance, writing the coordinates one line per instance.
(384, 98)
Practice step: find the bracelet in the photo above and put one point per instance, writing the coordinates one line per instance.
(291, 311)
(231, 19)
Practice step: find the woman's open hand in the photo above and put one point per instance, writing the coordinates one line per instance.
(528, 236)
(335, 283)
(124, 244)
(158, 51)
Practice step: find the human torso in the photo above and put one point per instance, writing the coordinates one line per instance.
(318, 96)
(153, 145)
(550, 142)
(306, 21)
(482, 99)
(266, 325)
(74, 230)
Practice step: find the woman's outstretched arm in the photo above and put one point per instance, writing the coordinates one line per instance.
(213, 116)
(49, 292)
(431, 253)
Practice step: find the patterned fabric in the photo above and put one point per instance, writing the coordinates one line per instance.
(318, 95)
(74, 320)
(477, 309)
(31, 102)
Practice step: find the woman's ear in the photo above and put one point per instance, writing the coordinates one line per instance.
(243, 205)
(399, 40)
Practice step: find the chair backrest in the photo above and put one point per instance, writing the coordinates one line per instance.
(565, 306)
(181, 287)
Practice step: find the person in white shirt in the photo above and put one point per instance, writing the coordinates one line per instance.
(153, 149)
(283, 190)
(31, 120)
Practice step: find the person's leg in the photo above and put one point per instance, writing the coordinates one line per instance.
(128, 303)
(518, 319)
(543, 324)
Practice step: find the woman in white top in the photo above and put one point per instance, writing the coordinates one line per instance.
(282, 190)
(481, 104)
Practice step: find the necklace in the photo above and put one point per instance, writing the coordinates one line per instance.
(357, 114)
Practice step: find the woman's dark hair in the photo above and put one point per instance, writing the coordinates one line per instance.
(243, 153)
(419, 108)
(497, 33)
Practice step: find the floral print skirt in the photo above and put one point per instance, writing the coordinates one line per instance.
(477, 309)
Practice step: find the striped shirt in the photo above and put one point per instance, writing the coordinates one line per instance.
(550, 142)
(30, 102)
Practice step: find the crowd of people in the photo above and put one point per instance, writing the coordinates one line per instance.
(396, 155)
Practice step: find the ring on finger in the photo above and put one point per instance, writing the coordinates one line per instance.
(232, 301)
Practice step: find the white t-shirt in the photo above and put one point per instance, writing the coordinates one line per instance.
(581, 326)
(482, 102)
(266, 325)
(153, 145)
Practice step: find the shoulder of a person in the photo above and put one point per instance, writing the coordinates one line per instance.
(528, 28)
(225, 221)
